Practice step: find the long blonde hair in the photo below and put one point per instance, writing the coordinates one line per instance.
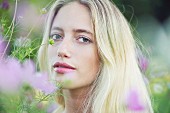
(120, 72)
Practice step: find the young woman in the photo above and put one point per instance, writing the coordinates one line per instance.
(92, 56)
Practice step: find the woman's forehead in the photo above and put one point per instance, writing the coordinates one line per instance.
(73, 16)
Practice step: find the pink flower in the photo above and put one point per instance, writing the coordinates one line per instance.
(13, 75)
(37, 80)
(29, 69)
(10, 75)
(40, 81)
(143, 63)
(133, 101)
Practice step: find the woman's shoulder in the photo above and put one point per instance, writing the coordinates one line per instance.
(58, 110)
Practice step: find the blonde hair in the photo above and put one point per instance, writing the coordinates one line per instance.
(120, 72)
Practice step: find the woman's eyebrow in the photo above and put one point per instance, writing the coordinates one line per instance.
(83, 31)
(74, 30)
(57, 28)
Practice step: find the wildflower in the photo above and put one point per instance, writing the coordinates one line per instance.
(51, 41)
(13, 75)
(143, 63)
(133, 101)
(10, 75)
(37, 80)
(5, 4)
(40, 81)
(28, 69)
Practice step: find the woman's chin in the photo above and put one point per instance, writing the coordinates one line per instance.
(65, 83)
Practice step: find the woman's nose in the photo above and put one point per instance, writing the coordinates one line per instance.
(64, 49)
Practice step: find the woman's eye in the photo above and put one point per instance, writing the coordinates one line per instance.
(84, 40)
(56, 37)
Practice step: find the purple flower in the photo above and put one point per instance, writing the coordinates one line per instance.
(10, 75)
(28, 69)
(143, 63)
(13, 75)
(40, 81)
(37, 80)
(5, 4)
(133, 101)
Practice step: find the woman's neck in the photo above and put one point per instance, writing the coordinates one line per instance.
(74, 99)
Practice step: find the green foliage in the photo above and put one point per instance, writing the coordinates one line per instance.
(27, 99)
(26, 52)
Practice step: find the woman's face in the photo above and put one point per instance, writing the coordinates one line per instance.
(73, 58)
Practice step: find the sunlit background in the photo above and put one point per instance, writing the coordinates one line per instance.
(150, 20)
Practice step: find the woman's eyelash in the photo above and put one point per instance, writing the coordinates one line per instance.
(56, 37)
(81, 39)
(84, 39)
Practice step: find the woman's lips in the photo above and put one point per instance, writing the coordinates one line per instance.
(62, 68)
